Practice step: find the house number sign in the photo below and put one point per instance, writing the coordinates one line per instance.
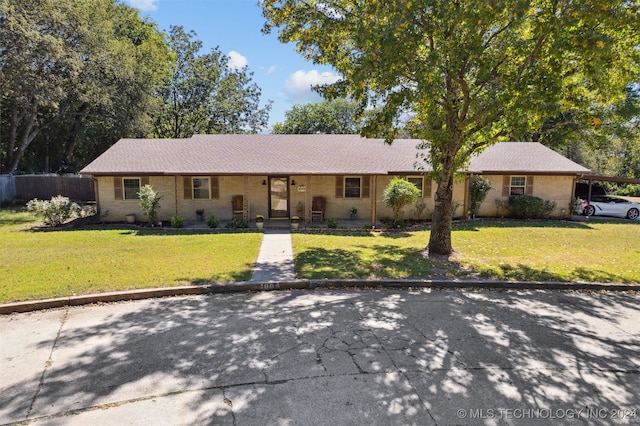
(302, 188)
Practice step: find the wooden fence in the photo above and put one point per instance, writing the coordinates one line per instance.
(26, 187)
(7, 187)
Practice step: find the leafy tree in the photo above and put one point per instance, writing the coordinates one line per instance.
(469, 73)
(605, 139)
(205, 95)
(339, 116)
(75, 75)
(398, 194)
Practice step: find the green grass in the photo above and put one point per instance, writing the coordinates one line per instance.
(54, 264)
(596, 251)
(545, 250)
(374, 255)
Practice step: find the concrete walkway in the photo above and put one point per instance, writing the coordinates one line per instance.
(275, 260)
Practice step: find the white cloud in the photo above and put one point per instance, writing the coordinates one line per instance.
(144, 5)
(236, 60)
(299, 84)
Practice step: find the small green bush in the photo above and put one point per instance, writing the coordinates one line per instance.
(212, 222)
(177, 221)
(55, 212)
(478, 192)
(332, 223)
(387, 221)
(529, 207)
(237, 224)
(398, 194)
(150, 203)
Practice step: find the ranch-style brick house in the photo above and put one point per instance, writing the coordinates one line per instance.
(278, 176)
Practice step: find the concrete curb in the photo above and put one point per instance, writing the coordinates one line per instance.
(247, 286)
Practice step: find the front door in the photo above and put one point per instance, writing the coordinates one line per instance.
(278, 197)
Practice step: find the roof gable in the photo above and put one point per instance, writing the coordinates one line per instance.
(520, 157)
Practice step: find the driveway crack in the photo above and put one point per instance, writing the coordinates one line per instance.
(48, 363)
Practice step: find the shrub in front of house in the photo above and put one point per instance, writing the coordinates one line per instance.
(237, 224)
(398, 194)
(177, 221)
(54, 212)
(530, 207)
(150, 203)
(212, 222)
(478, 192)
(332, 223)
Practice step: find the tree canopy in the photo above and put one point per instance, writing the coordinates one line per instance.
(338, 116)
(77, 75)
(205, 95)
(74, 73)
(467, 73)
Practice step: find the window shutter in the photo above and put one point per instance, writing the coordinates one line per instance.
(144, 181)
(506, 183)
(366, 185)
(426, 188)
(339, 186)
(215, 188)
(529, 187)
(117, 188)
(188, 193)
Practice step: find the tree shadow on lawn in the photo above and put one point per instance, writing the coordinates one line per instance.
(221, 278)
(387, 261)
(381, 357)
(475, 224)
(522, 272)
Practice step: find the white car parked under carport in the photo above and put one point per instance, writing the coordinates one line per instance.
(606, 205)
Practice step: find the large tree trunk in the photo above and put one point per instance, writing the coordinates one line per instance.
(444, 154)
(440, 237)
(23, 131)
(72, 140)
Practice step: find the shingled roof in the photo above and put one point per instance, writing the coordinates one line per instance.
(306, 154)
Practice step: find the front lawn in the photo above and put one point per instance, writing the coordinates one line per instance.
(37, 265)
(523, 250)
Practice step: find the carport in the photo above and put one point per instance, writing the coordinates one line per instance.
(601, 178)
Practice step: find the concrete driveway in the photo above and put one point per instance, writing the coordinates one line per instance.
(374, 357)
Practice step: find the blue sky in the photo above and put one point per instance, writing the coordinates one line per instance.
(235, 26)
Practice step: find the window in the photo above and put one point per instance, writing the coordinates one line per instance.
(518, 185)
(417, 181)
(352, 187)
(131, 188)
(201, 188)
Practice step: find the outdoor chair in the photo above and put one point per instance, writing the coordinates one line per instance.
(237, 203)
(318, 207)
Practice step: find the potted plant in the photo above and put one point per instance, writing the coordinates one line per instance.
(259, 221)
(200, 214)
(353, 213)
(295, 222)
(131, 218)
